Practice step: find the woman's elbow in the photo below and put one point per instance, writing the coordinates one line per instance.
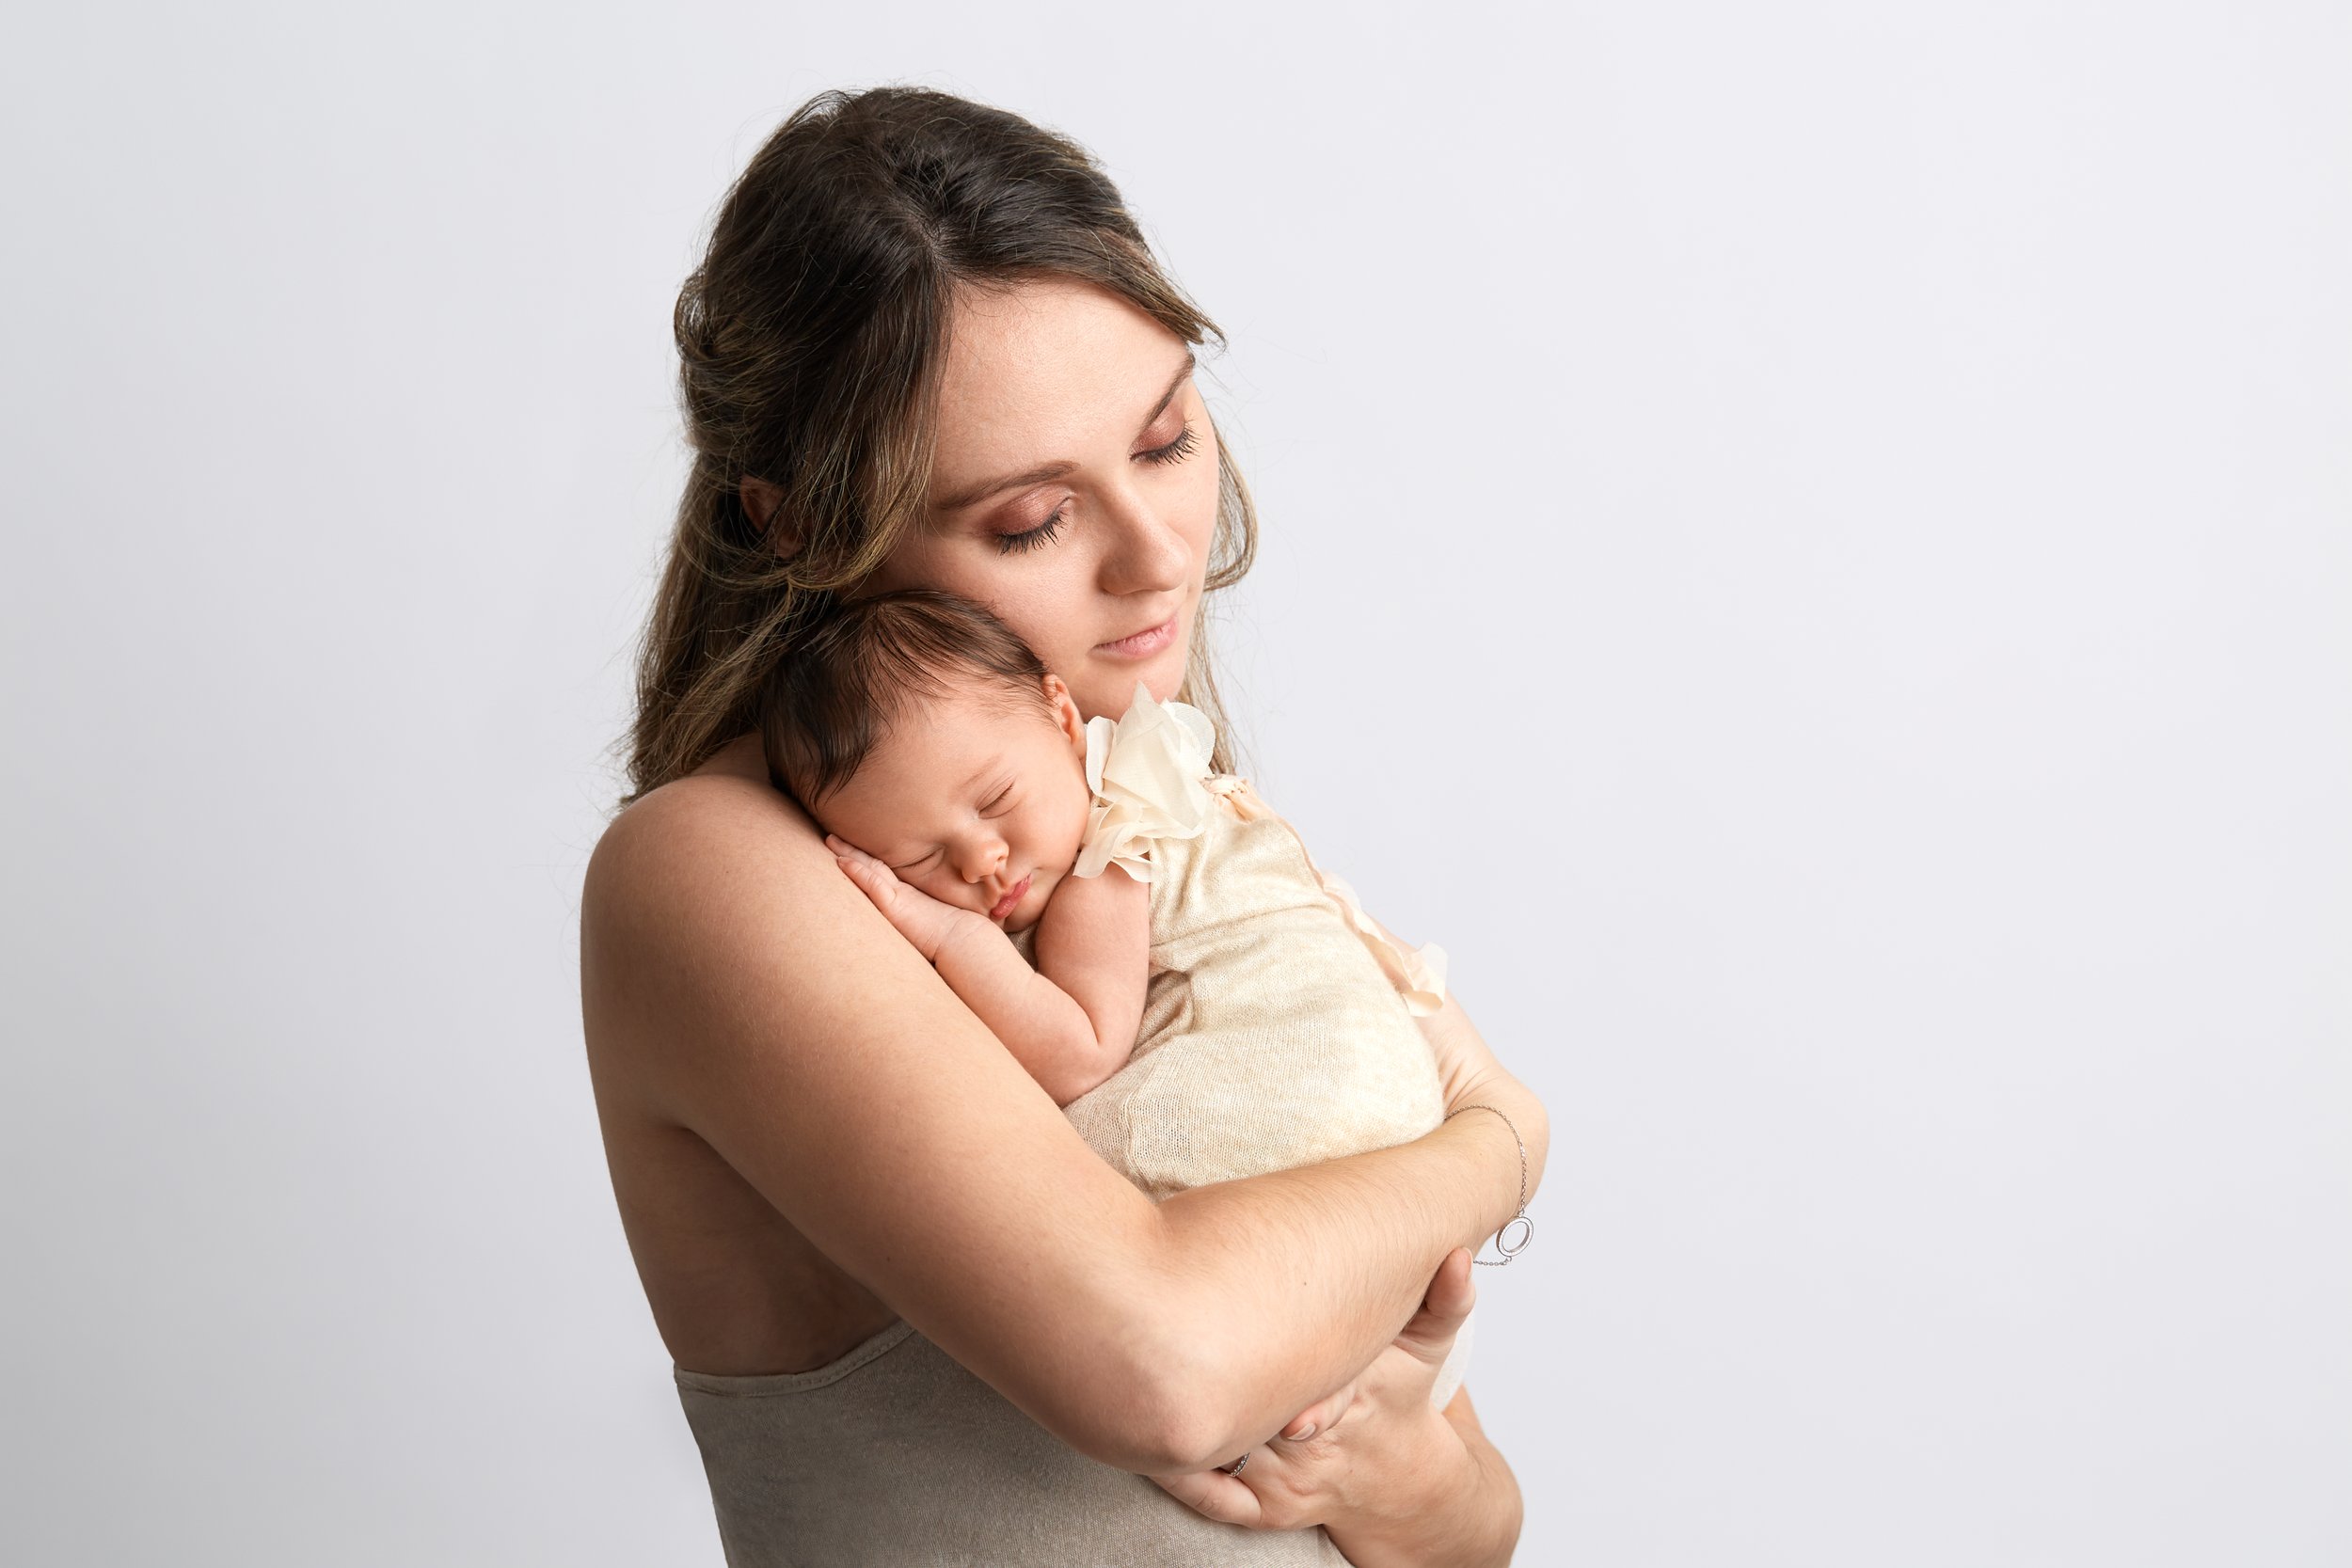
(1154, 1411)
(1193, 1429)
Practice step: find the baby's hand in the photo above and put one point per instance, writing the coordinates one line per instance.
(920, 918)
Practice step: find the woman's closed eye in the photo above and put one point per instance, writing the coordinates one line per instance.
(1187, 442)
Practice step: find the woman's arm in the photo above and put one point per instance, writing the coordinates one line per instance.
(1396, 1484)
(808, 1044)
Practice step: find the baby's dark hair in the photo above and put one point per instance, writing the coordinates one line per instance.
(833, 699)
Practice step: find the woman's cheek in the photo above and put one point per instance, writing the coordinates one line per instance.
(1061, 622)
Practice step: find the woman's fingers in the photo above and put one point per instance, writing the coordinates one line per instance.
(1430, 1333)
(1273, 1491)
(1216, 1495)
(1321, 1415)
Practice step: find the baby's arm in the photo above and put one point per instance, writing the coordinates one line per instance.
(1094, 945)
(1094, 936)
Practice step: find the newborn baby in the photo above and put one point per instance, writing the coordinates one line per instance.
(1144, 934)
(952, 785)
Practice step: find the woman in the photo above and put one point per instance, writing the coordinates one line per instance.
(915, 1318)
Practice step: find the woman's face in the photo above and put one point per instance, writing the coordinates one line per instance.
(1073, 489)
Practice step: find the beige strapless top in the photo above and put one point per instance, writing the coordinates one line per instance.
(1276, 1032)
(895, 1456)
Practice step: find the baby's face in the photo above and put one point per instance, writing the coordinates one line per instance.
(976, 798)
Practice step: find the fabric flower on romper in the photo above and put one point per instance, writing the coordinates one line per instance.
(1148, 772)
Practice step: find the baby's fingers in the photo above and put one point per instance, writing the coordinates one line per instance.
(862, 868)
(849, 854)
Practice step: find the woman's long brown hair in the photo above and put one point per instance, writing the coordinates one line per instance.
(809, 342)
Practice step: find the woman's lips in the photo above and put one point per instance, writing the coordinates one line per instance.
(1143, 644)
(1004, 906)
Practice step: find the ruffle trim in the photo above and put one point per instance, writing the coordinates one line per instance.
(1417, 973)
(1148, 772)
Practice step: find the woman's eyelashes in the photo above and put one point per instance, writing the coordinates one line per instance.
(1188, 441)
(1029, 539)
(1185, 444)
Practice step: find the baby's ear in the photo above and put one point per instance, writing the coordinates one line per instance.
(1066, 714)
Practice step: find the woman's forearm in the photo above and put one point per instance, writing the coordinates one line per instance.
(1296, 1279)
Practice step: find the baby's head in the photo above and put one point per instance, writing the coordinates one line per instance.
(917, 727)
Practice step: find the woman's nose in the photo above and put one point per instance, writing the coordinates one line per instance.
(1146, 553)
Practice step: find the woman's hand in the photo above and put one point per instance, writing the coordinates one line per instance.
(1465, 1065)
(1471, 1076)
(1391, 1477)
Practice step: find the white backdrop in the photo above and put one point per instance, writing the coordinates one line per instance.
(1806, 544)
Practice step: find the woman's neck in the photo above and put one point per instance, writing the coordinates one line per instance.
(742, 758)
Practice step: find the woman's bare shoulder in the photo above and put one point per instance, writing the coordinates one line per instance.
(716, 823)
(713, 886)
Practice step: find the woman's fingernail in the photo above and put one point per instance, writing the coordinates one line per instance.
(1302, 1433)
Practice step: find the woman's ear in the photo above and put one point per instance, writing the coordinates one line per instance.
(1066, 714)
(760, 500)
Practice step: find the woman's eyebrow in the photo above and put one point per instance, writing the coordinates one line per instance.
(975, 493)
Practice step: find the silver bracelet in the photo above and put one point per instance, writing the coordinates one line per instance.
(1519, 1229)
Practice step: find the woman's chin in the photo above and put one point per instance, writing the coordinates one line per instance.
(1114, 693)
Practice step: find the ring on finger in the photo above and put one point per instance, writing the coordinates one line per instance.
(1236, 1467)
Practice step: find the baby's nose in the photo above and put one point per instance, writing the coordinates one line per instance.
(979, 859)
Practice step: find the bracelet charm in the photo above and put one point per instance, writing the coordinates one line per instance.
(1519, 1229)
